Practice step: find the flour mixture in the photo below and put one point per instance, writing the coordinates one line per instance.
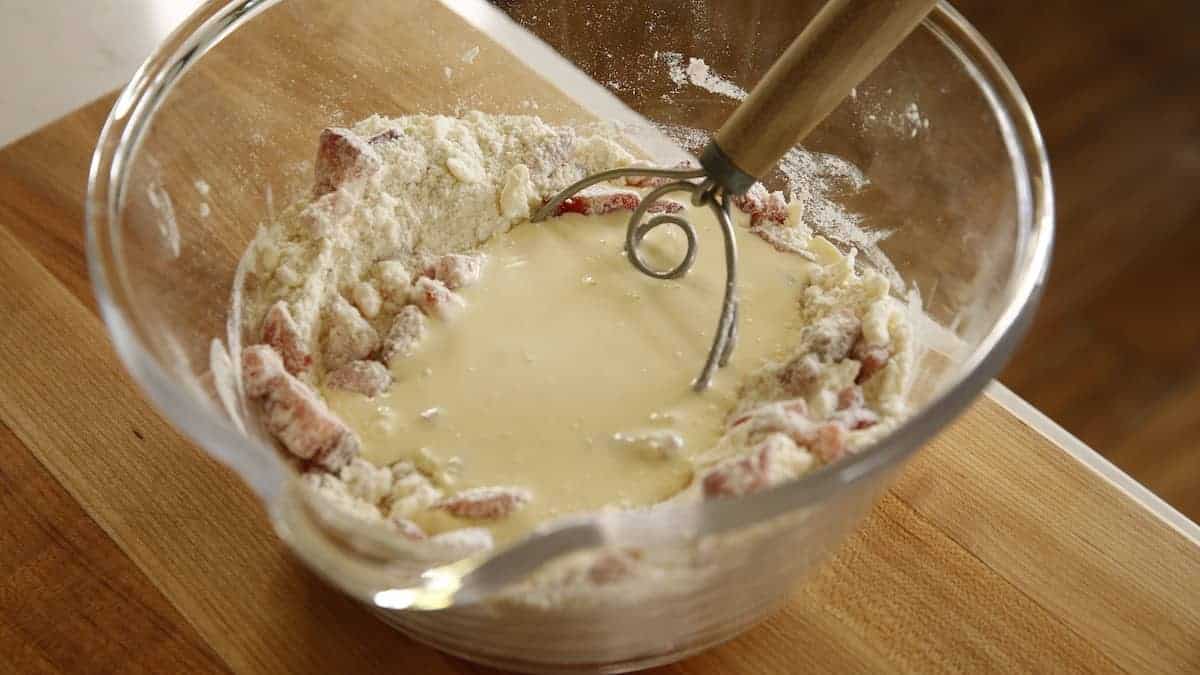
(439, 365)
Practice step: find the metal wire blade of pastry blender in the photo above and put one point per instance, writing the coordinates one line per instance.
(708, 192)
(836, 51)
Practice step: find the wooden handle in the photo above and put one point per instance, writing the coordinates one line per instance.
(836, 51)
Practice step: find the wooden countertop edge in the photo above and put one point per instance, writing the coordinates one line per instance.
(1070, 444)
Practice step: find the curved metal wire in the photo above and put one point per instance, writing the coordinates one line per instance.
(704, 192)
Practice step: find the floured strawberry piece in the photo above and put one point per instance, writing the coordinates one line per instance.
(279, 330)
(857, 418)
(435, 299)
(872, 357)
(666, 206)
(293, 414)
(751, 201)
(774, 460)
(367, 299)
(260, 365)
(610, 567)
(405, 334)
(774, 210)
(395, 283)
(597, 203)
(486, 503)
(592, 202)
(744, 476)
(762, 206)
(369, 378)
(788, 417)
(348, 336)
(850, 397)
(408, 529)
(343, 158)
(832, 337)
(800, 374)
(456, 271)
(830, 443)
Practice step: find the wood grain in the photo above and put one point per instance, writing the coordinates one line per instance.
(994, 551)
(183, 520)
(70, 600)
(1115, 87)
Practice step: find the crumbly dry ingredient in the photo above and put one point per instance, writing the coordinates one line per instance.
(697, 72)
(361, 291)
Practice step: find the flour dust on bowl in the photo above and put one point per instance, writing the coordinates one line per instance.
(320, 268)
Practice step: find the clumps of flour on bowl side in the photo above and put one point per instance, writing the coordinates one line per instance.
(841, 388)
(340, 284)
(393, 195)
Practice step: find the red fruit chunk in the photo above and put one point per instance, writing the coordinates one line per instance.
(486, 503)
(765, 465)
(369, 378)
(435, 299)
(611, 567)
(752, 200)
(343, 158)
(872, 357)
(774, 210)
(852, 409)
(830, 442)
(348, 336)
(833, 337)
(592, 202)
(405, 334)
(279, 330)
(260, 366)
(850, 398)
(293, 413)
(596, 203)
(456, 271)
(764, 207)
(799, 374)
(743, 476)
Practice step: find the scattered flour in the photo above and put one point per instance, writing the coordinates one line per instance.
(698, 73)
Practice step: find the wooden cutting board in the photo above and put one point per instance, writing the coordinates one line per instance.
(125, 548)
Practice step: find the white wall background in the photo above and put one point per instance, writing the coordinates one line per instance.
(56, 55)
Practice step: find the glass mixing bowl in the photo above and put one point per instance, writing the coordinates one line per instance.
(217, 131)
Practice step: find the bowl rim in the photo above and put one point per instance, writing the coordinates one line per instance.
(265, 472)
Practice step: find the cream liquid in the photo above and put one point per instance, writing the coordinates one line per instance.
(564, 344)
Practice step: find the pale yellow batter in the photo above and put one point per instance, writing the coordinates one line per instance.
(565, 348)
